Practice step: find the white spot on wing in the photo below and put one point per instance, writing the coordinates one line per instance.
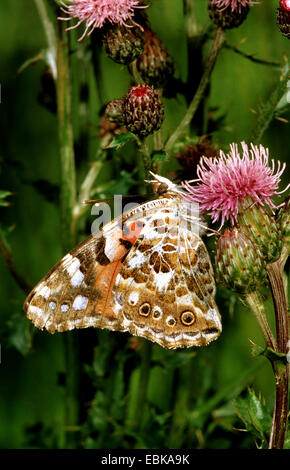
(80, 302)
(43, 291)
(162, 280)
(73, 264)
(77, 278)
(36, 311)
(137, 260)
(64, 308)
(212, 314)
(133, 298)
(52, 305)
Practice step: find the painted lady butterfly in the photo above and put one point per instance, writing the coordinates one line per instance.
(145, 272)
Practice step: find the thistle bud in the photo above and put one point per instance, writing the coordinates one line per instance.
(240, 264)
(228, 14)
(123, 45)
(155, 64)
(283, 17)
(143, 110)
(114, 111)
(263, 230)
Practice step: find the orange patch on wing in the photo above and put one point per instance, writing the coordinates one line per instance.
(104, 284)
(134, 232)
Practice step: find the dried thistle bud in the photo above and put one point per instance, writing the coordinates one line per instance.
(123, 45)
(143, 110)
(283, 17)
(114, 111)
(240, 264)
(228, 14)
(188, 156)
(155, 64)
(263, 230)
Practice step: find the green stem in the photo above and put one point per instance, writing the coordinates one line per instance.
(195, 42)
(180, 411)
(146, 156)
(281, 370)
(251, 57)
(135, 73)
(257, 307)
(50, 34)
(280, 414)
(65, 132)
(86, 190)
(268, 110)
(68, 198)
(144, 373)
(181, 128)
(280, 304)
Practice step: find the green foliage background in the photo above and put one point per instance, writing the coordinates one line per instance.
(194, 396)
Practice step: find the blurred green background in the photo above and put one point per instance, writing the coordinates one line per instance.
(32, 369)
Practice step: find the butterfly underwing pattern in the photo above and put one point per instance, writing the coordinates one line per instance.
(146, 272)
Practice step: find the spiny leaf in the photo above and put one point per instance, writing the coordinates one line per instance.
(254, 415)
(122, 139)
(159, 156)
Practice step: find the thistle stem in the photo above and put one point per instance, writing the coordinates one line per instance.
(144, 373)
(68, 198)
(65, 133)
(50, 34)
(146, 156)
(281, 369)
(181, 128)
(195, 42)
(280, 304)
(257, 307)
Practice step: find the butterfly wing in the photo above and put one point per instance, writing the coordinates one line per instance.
(68, 295)
(165, 288)
(76, 292)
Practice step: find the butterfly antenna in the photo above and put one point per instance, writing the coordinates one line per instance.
(104, 201)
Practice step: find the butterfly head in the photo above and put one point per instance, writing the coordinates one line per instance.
(162, 185)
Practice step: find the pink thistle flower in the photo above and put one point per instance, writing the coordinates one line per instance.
(227, 182)
(235, 5)
(285, 4)
(96, 12)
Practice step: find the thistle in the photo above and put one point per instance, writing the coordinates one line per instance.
(143, 111)
(114, 111)
(240, 189)
(122, 44)
(155, 64)
(228, 14)
(283, 17)
(239, 264)
(97, 13)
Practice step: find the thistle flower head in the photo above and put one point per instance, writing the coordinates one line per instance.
(143, 110)
(235, 5)
(285, 4)
(283, 17)
(240, 264)
(227, 182)
(97, 12)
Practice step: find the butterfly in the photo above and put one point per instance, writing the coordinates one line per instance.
(146, 272)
